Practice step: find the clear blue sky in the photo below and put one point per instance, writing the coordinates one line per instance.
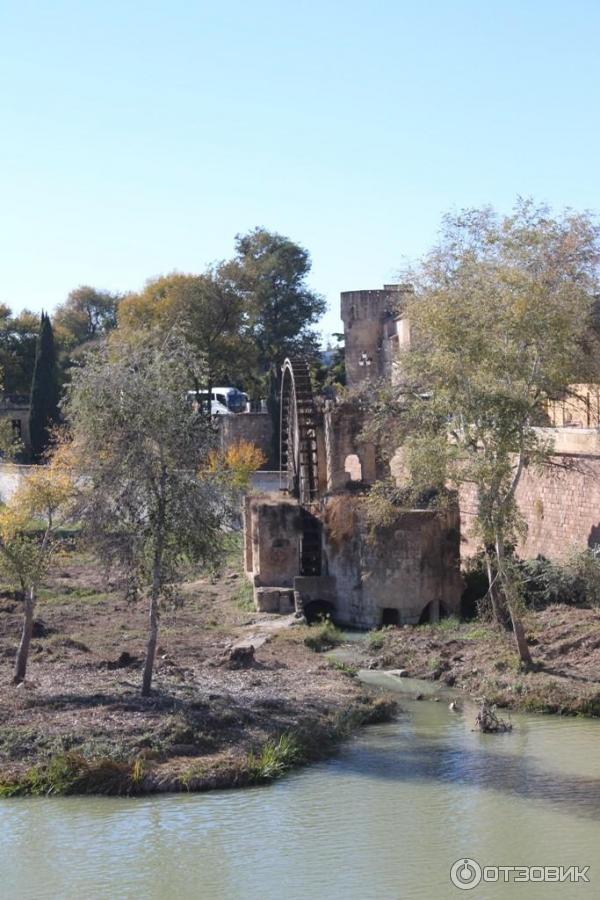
(139, 137)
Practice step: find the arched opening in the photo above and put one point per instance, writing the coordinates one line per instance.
(433, 612)
(353, 467)
(390, 616)
(317, 610)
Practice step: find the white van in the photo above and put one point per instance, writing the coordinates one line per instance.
(222, 399)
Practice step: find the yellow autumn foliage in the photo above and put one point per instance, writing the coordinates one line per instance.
(238, 462)
(40, 494)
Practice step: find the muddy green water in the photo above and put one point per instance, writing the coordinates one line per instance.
(384, 820)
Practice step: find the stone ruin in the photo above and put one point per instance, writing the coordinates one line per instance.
(308, 548)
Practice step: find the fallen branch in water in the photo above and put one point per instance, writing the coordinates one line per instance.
(488, 721)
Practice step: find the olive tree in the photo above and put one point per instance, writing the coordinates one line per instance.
(501, 322)
(148, 499)
(29, 523)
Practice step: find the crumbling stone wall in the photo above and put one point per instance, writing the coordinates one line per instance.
(364, 314)
(410, 568)
(343, 423)
(408, 571)
(273, 530)
(560, 505)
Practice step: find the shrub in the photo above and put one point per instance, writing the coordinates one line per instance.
(542, 582)
(237, 463)
(386, 502)
(346, 668)
(584, 570)
(447, 623)
(324, 636)
(376, 639)
(575, 581)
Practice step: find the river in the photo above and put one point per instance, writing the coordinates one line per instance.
(383, 820)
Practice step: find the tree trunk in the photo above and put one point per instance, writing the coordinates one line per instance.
(151, 642)
(156, 588)
(23, 651)
(517, 626)
(498, 610)
(522, 648)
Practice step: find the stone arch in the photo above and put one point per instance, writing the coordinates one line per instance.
(344, 423)
(315, 610)
(390, 616)
(433, 612)
(353, 467)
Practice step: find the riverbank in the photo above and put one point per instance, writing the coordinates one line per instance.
(481, 660)
(79, 725)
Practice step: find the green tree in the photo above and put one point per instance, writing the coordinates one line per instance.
(44, 413)
(86, 314)
(210, 313)
(328, 370)
(270, 272)
(18, 339)
(501, 322)
(148, 499)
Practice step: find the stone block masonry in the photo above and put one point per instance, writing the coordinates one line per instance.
(364, 314)
(256, 428)
(405, 573)
(408, 573)
(559, 503)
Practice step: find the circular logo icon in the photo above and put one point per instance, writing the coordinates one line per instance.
(465, 874)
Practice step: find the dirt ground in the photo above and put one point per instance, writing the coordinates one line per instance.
(82, 693)
(209, 723)
(481, 659)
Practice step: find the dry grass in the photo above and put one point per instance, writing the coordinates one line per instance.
(565, 645)
(82, 698)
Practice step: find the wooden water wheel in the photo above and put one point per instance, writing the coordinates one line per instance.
(299, 458)
(299, 462)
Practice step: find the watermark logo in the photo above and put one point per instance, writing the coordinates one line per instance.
(467, 873)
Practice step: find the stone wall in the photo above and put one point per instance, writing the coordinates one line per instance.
(257, 428)
(409, 571)
(365, 314)
(343, 423)
(273, 531)
(560, 504)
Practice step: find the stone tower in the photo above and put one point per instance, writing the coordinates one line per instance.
(369, 319)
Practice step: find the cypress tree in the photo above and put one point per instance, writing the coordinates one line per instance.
(43, 413)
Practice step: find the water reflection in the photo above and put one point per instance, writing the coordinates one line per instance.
(415, 759)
